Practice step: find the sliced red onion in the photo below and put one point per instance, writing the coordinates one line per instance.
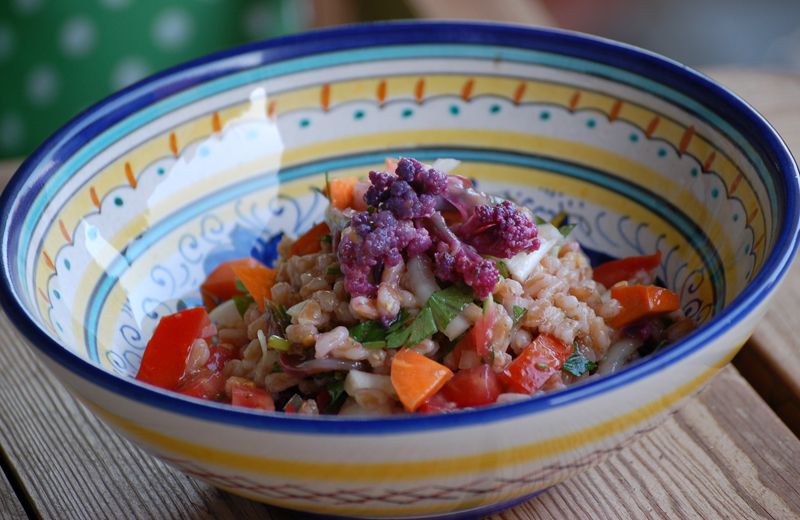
(296, 366)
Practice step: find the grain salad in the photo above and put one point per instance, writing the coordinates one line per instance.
(416, 293)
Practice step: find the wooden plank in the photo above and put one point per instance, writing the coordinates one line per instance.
(10, 506)
(771, 362)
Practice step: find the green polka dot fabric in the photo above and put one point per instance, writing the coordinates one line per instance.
(58, 57)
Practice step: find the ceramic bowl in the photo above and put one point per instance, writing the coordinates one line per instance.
(116, 219)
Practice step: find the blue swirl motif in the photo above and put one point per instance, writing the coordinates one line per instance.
(256, 231)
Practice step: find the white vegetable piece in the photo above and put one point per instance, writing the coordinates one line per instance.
(445, 165)
(521, 265)
(226, 315)
(420, 275)
(357, 380)
(457, 327)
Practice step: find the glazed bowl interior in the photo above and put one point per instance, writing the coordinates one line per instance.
(118, 218)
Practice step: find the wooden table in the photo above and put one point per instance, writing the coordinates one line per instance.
(724, 454)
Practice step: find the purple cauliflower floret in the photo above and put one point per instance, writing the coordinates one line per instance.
(375, 238)
(412, 193)
(501, 230)
(456, 260)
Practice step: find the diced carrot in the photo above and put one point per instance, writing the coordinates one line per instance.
(529, 372)
(359, 190)
(417, 378)
(310, 241)
(341, 192)
(258, 280)
(220, 285)
(615, 271)
(639, 301)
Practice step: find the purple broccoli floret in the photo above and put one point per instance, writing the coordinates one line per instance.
(501, 230)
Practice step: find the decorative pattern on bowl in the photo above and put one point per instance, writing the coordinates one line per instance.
(117, 219)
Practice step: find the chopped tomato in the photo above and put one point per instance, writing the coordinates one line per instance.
(258, 280)
(541, 359)
(310, 241)
(164, 359)
(218, 356)
(623, 269)
(640, 301)
(251, 397)
(437, 404)
(475, 386)
(478, 338)
(359, 190)
(416, 378)
(220, 285)
(203, 384)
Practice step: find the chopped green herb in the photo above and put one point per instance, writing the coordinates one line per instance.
(519, 313)
(328, 186)
(577, 364)
(446, 304)
(279, 314)
(542, 366)
(368, 331)
(566, 229)
(334, 270)
(374, 344)
(437, 313)
(338, 396)
(243, 302)
(240, 286)
(559, 219)
(278, 343)
(326, 239)
(502, 269)
(180, 305)
(539, 220)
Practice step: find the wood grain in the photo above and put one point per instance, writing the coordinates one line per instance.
(10, 506)
(772, 360)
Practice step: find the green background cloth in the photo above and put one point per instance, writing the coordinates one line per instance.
(58, 57)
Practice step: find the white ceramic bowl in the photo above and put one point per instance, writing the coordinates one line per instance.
(122, 212)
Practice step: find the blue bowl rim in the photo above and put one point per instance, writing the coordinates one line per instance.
(633, 59)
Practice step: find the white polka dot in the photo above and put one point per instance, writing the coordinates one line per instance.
(77, 36)
(172, 29)
(12, 131)
(115, 4)
(257, 20)
(42, 85)
(128, 70)
(27, 6)
(6, 41)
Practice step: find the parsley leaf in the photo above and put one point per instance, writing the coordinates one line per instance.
(242, 302)
(519, 313)
(577, 365)
(539, 220)
(446, 304)
(437, 313)
(240, 286)
(338, 396)
(566, 229)
(423, 326)
(368, 331)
